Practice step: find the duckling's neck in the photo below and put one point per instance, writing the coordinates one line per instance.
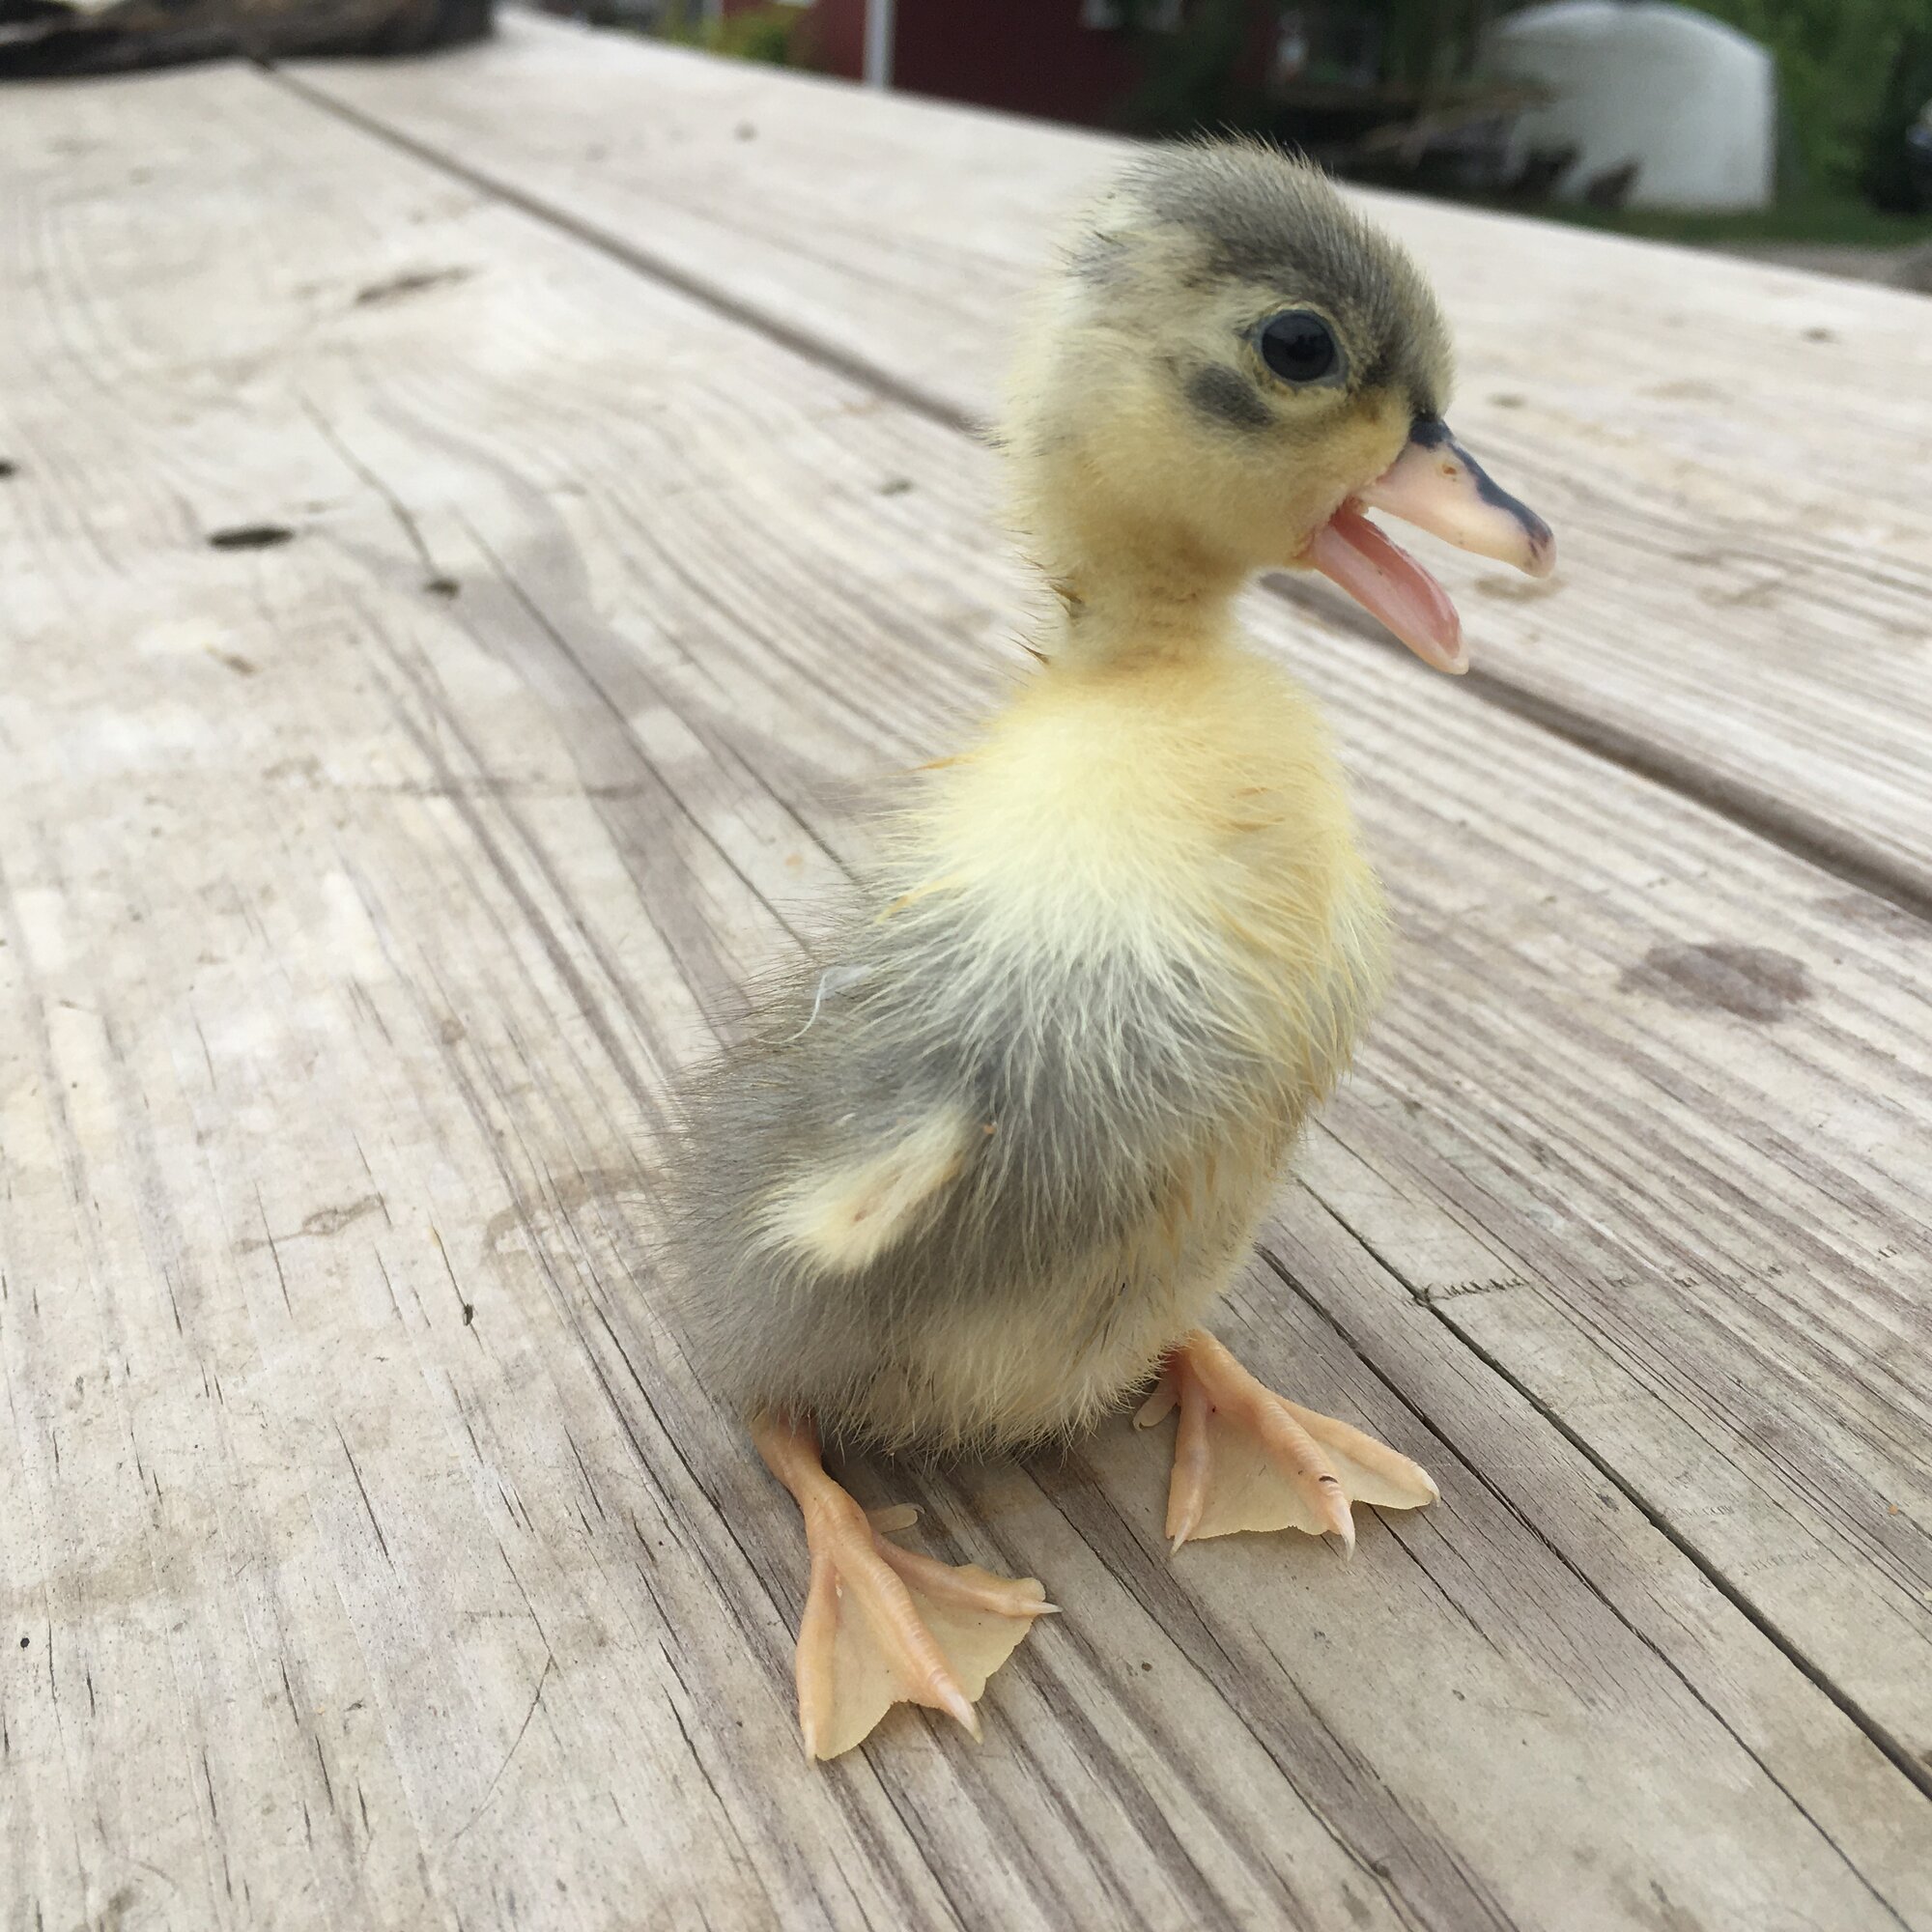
(1131, 596)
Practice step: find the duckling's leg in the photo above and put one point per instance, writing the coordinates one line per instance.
(883, 1626)
(1246, 1459)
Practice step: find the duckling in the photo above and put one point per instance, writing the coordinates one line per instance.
(980, 1173)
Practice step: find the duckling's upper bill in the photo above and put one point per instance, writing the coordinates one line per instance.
(1436, 485)
(1245, 366)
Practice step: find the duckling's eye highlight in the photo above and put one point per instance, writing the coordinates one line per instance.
(1299, 347)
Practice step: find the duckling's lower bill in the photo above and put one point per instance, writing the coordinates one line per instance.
(1436, 485)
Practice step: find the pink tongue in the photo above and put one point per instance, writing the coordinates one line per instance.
(1388, 584)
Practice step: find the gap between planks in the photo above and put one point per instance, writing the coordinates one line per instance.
(1792, 831)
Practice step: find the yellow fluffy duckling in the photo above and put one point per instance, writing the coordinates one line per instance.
(986, 1166)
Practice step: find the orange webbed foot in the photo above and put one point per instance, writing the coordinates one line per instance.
(1245, 1457)
(883, 1625)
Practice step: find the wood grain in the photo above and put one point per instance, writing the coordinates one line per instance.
(378, 1562)
(686, 192)
(891, 236)
(1735, 456)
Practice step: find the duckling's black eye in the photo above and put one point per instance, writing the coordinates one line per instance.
(1299, 347)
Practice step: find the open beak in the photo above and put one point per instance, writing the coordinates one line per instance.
(1436, 485)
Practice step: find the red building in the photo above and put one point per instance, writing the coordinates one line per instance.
(1067, 60)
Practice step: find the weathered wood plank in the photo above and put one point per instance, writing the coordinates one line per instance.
(351, 928)
(894, 234)
(1737, 457)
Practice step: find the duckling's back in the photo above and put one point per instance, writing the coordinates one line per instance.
(983, 1164)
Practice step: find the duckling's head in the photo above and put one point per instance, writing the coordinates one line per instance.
(1232, 364)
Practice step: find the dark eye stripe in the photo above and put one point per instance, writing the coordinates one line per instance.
(1228, 398)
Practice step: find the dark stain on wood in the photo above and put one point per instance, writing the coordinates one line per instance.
(399, 288)
(325, 1221)
(1752, 982)
(332, 1220)
(250, 536)
(620, 1190)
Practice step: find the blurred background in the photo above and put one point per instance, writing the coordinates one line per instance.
(1799, 130)
(1795, 129)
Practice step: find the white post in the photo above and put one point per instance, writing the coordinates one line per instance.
(879, 42)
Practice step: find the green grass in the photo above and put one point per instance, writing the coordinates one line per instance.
(1806, 218)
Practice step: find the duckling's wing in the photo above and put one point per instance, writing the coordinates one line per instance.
(842, 1216)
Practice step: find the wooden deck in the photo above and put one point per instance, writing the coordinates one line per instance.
(370, 1558)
